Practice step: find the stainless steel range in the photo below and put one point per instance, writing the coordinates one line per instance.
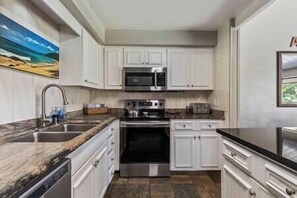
(144, 139)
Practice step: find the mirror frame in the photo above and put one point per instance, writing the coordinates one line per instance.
(279, 79)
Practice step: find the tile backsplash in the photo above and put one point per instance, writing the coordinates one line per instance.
(115, 99)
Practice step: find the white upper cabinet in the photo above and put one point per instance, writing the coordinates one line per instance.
(190, 69)
(134, 57)
(178, 69)
(155, 57)
(201, 68)
(144, 57)
(113, 63)
(80, 60)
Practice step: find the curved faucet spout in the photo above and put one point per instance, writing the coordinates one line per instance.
(65, 102)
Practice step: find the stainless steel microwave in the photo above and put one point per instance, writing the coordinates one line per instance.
(144, 78)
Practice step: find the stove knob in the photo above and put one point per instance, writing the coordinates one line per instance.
(161, 104)
(156, 104)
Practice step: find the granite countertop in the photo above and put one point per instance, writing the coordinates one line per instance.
(20, 163)
(278, 144)
(181, 114)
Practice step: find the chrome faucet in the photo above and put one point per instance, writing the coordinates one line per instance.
(44, 119)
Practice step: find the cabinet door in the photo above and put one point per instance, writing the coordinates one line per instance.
(101, 173)
(134, 57)
(155, 57)
(83, 182)
(113, 67)
(209, 150)
(234, 185)
(91, 53)
(201, 69)
(183, 147)
(178, 69)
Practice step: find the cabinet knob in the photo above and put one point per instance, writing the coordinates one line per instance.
(188, 85)
(147, 63)
(112, 143)
(192, 85)
(199, 137)
(184, 126)
(142, 63)
(86, 80)
(96, 163)
(252, 193)
(233, 154)
(209, 126)
(112, 129)
(194, 137)
(290, 191)
(112, 159)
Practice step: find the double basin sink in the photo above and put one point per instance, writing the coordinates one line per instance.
(60, 133)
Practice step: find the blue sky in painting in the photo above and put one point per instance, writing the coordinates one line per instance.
(14, 32)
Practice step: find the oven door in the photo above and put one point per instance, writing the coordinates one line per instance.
(144, 146)
(144, 79)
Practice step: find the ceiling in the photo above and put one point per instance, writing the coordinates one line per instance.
(166, 14)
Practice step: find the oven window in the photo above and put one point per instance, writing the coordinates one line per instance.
(140, 79)
(144, 145)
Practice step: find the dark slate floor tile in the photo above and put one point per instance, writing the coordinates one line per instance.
(117, 190)
(161, 190)
(138, 191)
(185, 191)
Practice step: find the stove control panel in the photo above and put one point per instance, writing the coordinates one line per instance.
(145, 104)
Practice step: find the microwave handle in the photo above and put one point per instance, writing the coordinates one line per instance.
(155, 79)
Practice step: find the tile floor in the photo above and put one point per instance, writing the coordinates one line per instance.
(179, 185)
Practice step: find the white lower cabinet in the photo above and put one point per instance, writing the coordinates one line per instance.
(183, 150)
(194, 148)
(91, 179)
(209, 148)
(93, 164)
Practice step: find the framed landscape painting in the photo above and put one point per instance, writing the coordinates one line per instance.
(21, 49)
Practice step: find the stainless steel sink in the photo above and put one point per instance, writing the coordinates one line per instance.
(47, 137)
(71, 127)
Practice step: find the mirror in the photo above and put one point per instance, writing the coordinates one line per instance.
(287, 79)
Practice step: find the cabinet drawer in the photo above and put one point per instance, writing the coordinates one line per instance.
(238, 156)
(110, 144)
(280, 182)
(110, 159)
(185, 125)
(110, 174)
(209, 125)
(111, 130)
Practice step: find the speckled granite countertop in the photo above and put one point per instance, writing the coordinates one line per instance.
(181, 114)
(20, 163)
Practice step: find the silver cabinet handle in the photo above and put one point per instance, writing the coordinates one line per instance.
(233, 154)
(290, 191)
(96, 163)
(252, 193)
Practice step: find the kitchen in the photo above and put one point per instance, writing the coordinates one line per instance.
(187, 99)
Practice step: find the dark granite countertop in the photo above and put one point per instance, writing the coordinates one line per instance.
(20, 163)
(181, 114)
(278, 144)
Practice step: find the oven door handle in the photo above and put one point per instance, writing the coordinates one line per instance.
(151, 124)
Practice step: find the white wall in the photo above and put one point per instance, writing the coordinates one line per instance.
(115, 99)
(19, 91)
(219, 98)
(260, 38)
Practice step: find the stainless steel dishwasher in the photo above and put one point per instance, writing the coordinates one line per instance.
(54, 184)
